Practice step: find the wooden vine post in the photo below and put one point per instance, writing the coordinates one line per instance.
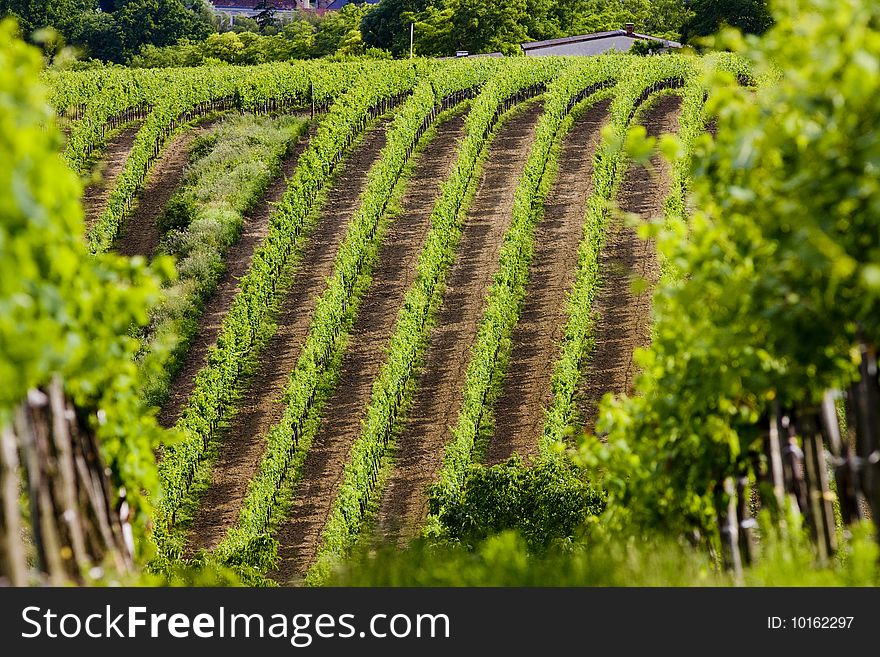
(866, 409)
(50, 464)
(820, 512)
(803, 446)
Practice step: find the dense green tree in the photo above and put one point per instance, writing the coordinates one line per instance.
(182, 54)
(226, 47)
(35, 14)
(433, 31)
(158, 22)
(114, 29)
(387, 25)
(340, 28)
(489, 26)
(655, 17)
(300, 35)
(667, 16)
(295, 41)
(267, 16)
(99, 34)
(443, 26)
(750, 16)
(203, 11)
(118, 30)
(245, 24)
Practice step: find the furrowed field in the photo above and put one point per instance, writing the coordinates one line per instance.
(276, 324)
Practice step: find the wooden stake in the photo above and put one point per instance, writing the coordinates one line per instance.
(13, 563)
(728, 527)
(820, 496)
(66, 474)
(867, 411)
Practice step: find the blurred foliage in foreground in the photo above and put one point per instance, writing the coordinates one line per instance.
(62, 311)
(605, 560)
(780, 264)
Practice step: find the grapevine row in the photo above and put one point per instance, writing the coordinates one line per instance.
(337, 306)
(692, 125)
(121, 98)
(73, 93)
(360, 477)
(217, 89)
(381, 87)
(591, 81)
(643, 78)
(216, 224)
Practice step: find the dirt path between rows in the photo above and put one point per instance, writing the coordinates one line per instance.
(438, 399)
(623, 319)
(537, 338)
(108, 168)
(238, 262)
(261, 407)
(300, 535)
(139, 235)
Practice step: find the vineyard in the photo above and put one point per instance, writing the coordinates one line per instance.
(307, 311)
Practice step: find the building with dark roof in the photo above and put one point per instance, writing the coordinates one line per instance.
(593, 44)
(248, 7)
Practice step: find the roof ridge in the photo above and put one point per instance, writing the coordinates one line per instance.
(595, 36)
(572, 39)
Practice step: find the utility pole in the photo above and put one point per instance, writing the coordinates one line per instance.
(412, 29)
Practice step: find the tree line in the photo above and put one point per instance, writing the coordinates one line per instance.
(189, 33)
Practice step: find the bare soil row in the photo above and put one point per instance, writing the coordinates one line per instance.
(106, 172)
(439, 396)
(537, 338)
(300, 535)
(139, 235)
(623, 318)
(261, 406)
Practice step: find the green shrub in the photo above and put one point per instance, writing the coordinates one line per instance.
(179, 212)
(202, 145)
(545, 502)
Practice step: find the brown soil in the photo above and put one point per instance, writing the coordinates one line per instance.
(107, 170)
(395, 270)
(140, 233)
(238, 262)
(438, 400)
(537, 338)
(261, 404)
(623, 319)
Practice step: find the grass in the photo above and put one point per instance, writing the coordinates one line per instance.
(202, 478)
(227, 177)
(598, 558)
